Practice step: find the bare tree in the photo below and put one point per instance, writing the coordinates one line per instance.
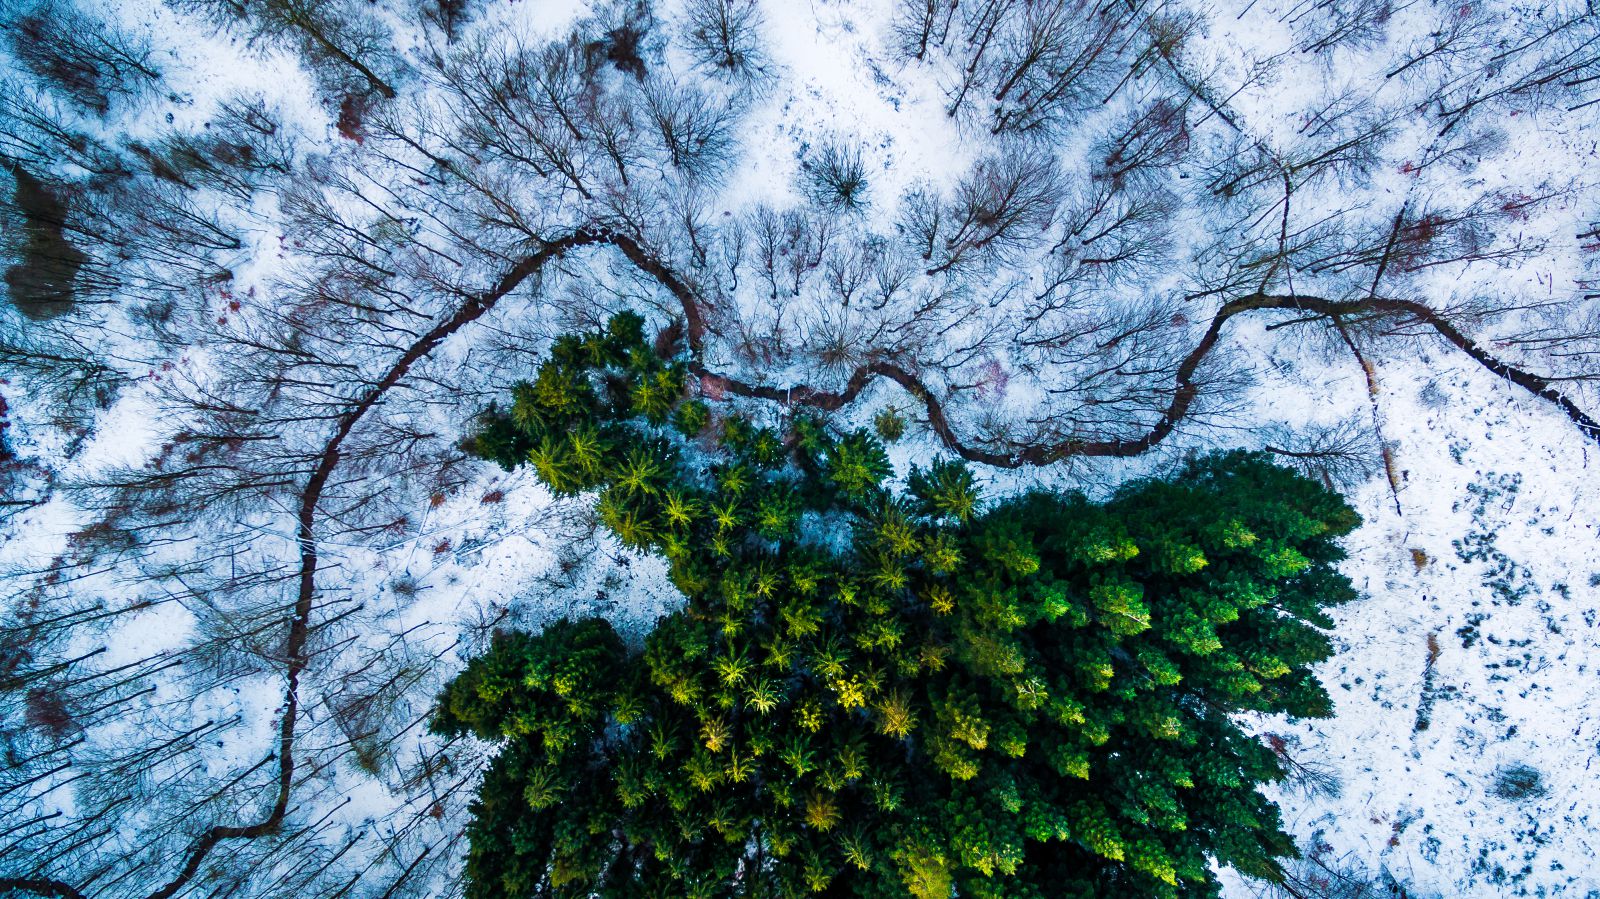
(1322, 25)
(37, 132)
(834, 175)
(694, 128)
(446, 15)
(1114, 235)
(1343, 455)
(335, 37)
(1003, 205)
(1056, 64)
(724, 36)
(244, 147)
(1153, 138)
(982, 28)
(87, 59)
(921, 25)
(1551, 59)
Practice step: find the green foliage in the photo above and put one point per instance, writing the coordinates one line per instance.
(890, 425)
(691, 417)
(945, 490)
(855, 465)
(1029, 700)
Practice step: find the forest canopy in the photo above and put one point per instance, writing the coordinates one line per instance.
(875, 691)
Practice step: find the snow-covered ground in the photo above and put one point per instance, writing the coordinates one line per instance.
(1472, 652)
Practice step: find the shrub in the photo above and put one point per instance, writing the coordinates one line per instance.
(1518, 781)
(1028, 699)
(41, 282)
(890, 425)
(835, 177)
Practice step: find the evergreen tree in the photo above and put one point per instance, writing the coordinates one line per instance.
(1033, 699)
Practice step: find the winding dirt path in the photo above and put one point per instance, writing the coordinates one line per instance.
(300, 624)
(1185, 390)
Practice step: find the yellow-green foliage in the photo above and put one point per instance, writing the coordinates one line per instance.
(871, 695)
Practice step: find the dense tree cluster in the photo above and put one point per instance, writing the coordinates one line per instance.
(878, 694)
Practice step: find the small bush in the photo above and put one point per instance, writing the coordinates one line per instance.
(890, 425)
(835, 177)
(1433, 396)
(624, 48)
(1516, 782)
(694, 129)
(46, 709)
